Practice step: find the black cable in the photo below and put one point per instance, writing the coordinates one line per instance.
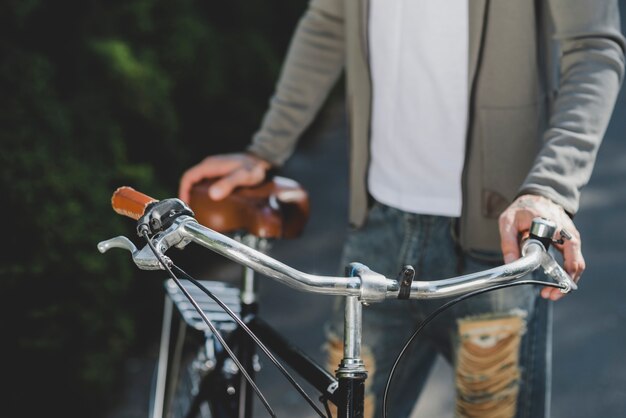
(439, 310)
(210, 325)
(254, 338)
(324, 400)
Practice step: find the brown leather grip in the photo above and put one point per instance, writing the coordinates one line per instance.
(129, 202)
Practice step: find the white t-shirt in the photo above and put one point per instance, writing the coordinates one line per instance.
(419, 64)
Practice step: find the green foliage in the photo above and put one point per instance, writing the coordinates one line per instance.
(96, 94)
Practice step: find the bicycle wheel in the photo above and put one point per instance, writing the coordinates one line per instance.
(185, 377)
(193, 369)
(191, 356)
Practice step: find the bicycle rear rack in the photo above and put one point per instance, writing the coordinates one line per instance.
(226, 293)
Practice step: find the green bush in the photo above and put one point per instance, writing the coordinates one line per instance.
(96, 94)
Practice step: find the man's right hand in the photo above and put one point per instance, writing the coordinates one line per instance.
(234, 169)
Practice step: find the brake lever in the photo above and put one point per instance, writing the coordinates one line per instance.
(117, 242)
(551, 267)
(558, 274)
(144, 258)
(543, 231)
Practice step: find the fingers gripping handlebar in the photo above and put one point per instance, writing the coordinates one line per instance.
(170, 223)
(544, 230)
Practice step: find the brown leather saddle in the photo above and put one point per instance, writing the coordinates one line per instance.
(276, 208)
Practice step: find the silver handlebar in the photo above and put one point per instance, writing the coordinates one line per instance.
(264, 264)
(366, 284)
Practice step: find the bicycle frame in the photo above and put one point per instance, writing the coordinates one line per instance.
(345, 390)
(360, 286)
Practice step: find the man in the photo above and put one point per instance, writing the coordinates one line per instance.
(467, 119)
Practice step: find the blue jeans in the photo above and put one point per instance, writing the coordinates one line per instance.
(392, 238)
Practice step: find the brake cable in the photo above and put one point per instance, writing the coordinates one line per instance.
(257, 341)
(208, 322)
(436, 313)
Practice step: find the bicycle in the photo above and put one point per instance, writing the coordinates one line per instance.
(226, 387)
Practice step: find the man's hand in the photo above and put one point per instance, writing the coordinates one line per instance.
(517, 219)
(234, 169)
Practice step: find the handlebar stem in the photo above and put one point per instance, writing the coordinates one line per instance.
(351, 364)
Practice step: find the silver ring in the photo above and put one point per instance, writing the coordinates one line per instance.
(565, 235)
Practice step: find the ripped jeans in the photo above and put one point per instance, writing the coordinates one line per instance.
(499, 342)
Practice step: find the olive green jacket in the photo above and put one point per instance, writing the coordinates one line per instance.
(543, 77)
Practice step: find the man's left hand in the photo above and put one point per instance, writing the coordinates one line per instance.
(517, 219)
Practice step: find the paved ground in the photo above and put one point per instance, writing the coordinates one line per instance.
(589, 335)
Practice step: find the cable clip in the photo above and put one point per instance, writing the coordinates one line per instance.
(405, 278)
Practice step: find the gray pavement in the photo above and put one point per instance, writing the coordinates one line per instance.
(589, 335)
